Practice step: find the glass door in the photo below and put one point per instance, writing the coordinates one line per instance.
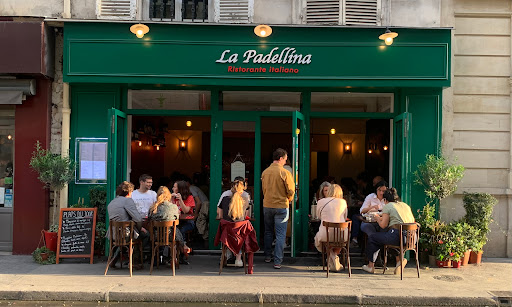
(297, 158)
(402, 154)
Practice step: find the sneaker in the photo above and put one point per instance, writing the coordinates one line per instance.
(368, 269)
(354, 241)
(268, 260)
(403, 264)
(277, 266)
(239, 263)
(231, 260)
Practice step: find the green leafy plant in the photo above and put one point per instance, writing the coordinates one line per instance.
(427, 220)
(38, 255)
(438, 177)
(479, 207)
(98, 199)
(456, 235)
(54, 170)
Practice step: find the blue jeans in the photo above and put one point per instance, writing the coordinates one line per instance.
(186, 226)
(356, 225)
(379, 239)
(370, 228)
(275, 222)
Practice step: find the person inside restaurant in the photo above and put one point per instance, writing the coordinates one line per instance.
(333, 209)
(372, 204)
(393, 214)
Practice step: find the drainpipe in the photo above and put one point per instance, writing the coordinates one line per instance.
(66, 13)
(66, 115)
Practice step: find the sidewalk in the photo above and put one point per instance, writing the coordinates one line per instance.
(300, 280)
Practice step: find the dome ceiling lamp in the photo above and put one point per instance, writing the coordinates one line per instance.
(262, 30)
(139, 30)
(388, 37)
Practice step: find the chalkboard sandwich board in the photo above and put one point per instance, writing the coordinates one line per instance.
(76, 233)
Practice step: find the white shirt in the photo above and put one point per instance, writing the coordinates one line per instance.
(144, 201)
(197, 192)
(372, 200)
(245, 196)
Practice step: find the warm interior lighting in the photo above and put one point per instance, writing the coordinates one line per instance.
(9, 137)
(333, 131)
(189, 123)
(388, 37)
(139, 30)
(370, 151)
(140, 143)
(297, 131)
(157, 147)
(347, 148)
(262, 30)
(385, 147)
(183, 144)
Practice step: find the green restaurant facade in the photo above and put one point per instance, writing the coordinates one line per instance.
(104, 61)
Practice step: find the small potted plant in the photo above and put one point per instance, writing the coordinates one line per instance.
(55, 171)
(479, 208)
(44, 255)
(443, 253)
(457, 238)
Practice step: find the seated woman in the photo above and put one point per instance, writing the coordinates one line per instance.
(322, 190)
(394, 213)
(182, 197)
(163, 210)
(233, 209)
(331, 209)
(374, 202)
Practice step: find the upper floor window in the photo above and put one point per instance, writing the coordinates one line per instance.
(180, 10)
(342, 12)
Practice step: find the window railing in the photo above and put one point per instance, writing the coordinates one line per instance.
(180, 10)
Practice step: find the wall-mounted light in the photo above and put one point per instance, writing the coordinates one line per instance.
(262, 30)
(140, 143)
(333, 131)
(189, 123)
(388, 37)
(370, 151)
(139, 30)
(297, 131)
(385, 147)
(157, 147)
(183, 144)
(9, 137)
(347, 148)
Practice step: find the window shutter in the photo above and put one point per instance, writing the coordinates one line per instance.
(362, 12)
(116, 9)
(323, 11)
(234, 11)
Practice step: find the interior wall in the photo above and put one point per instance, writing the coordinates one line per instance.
(346, 165)
(186, 162)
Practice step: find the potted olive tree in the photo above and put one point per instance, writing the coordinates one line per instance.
(55, 171)
(479, 208)
(439, 178)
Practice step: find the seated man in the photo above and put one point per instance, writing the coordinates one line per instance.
(123, 209)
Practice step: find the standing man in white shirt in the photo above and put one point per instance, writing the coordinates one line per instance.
(144, 197)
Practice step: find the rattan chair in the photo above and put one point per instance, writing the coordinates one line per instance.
(163, 234)
(337, 237)
(409, 240)
(121, 236)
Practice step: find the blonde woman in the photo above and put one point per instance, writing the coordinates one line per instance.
(163, 210)
(232, 209)
(333, 209)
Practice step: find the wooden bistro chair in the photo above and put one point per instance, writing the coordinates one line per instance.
(159, 232)
(121, 235)
(410, 233)
(338, 237)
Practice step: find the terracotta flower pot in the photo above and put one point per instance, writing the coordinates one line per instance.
(50, 239)
(443, 263)
(44, 256)
(465, 258)
(476, 257)
(456, 264)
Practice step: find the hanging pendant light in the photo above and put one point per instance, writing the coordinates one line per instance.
(388, 37)
(262, 30)
(139, 30)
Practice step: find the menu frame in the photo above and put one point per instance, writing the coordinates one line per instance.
(91, 255)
